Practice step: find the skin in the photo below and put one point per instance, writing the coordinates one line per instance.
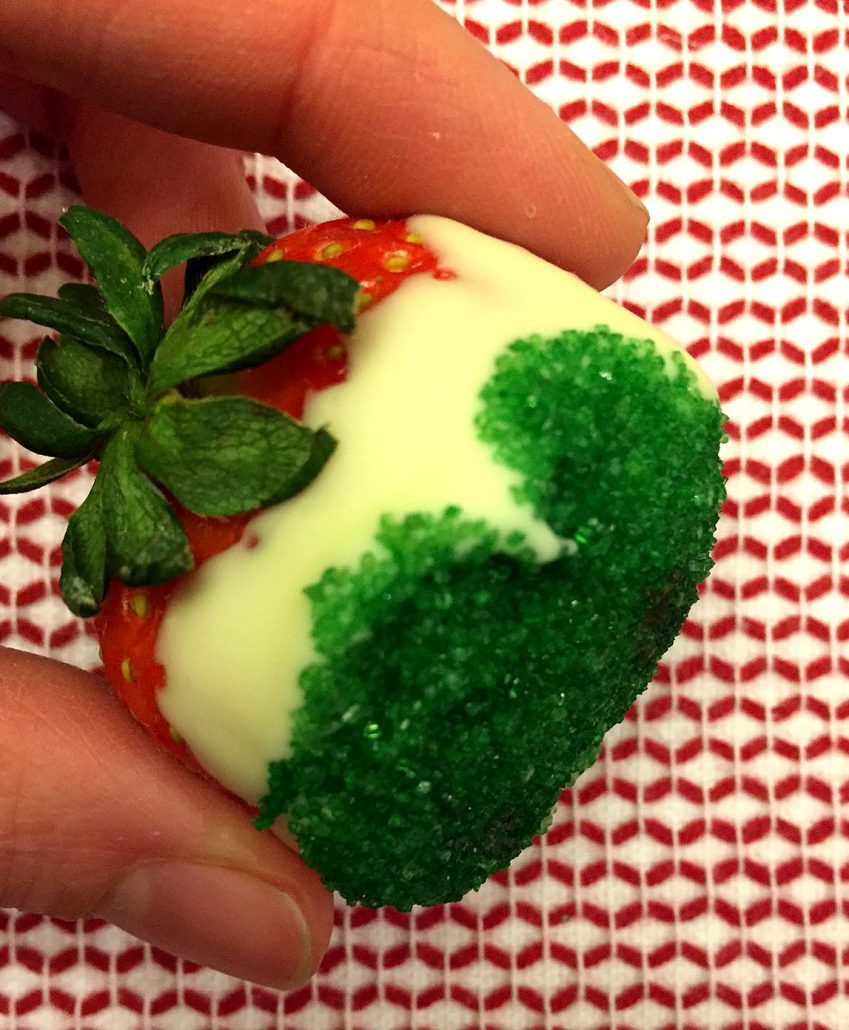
(157, 102)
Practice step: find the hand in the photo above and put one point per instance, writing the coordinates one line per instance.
(388, 107)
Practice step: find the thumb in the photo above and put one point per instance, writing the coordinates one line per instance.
(94, 821)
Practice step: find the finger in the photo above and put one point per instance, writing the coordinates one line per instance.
(28, 102)
(160, 182)
(157, 183)
(386, 106)
(94, 821)
(123, 168)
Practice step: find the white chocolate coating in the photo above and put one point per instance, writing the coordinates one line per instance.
(237, 636)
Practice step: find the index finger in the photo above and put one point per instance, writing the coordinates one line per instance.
(387, 106)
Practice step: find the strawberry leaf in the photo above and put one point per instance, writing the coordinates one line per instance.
(117, 258)
(191, 245)
(146, 544)
(253, 454)
(41, 475)
(88, 384)
(203, 272)
(111, 362)
(318, 292)
(32, 419)
(323, 445)
(83, 577)
(221, 335)
(88, 301)
(87, 298)
(65, 314)
(240, 317)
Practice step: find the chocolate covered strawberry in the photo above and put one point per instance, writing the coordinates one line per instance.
(390, 524)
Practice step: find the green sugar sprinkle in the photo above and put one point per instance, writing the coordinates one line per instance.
(461, 685)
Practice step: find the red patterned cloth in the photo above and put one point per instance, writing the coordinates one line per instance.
(695, 877)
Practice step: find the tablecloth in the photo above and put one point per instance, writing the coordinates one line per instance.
(696, 876)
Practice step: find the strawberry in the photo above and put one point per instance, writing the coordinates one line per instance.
(479, 580)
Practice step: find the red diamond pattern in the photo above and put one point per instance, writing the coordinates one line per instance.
(696, 877)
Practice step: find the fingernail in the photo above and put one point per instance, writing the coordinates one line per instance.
(222, 918)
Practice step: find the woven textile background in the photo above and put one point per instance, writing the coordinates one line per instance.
(696, 877)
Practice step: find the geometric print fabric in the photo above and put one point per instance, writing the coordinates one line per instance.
(695, 877)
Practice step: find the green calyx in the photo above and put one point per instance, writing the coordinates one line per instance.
(118, 386)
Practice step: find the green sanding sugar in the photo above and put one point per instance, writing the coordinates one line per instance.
(461, 685)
